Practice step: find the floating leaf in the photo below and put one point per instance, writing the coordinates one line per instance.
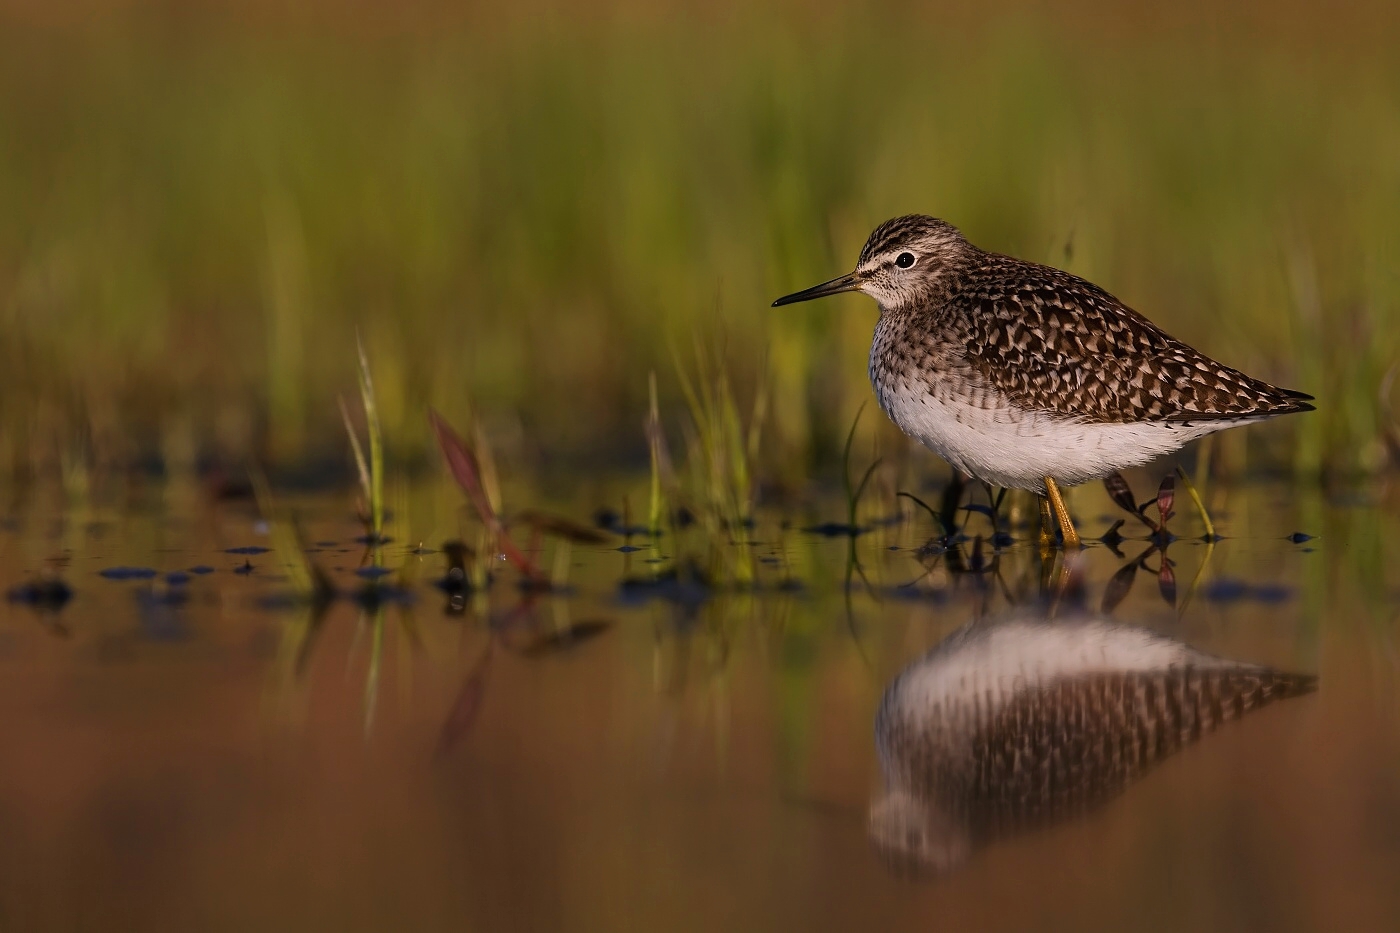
(561, 527)
(834, 530)
(128, 573)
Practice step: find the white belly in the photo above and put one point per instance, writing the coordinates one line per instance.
(1009, 447)
(983, 666)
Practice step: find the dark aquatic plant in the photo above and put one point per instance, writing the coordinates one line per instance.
(1122, 495)
(854, 492)
(45, 593)
(455, 582)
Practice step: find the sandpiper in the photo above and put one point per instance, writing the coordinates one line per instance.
(1027, 377)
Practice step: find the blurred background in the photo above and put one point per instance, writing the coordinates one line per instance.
(523, 210)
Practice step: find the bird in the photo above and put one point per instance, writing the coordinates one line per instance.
(1014, 724)
(1025, 376)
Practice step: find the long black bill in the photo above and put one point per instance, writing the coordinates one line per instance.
(844, 283)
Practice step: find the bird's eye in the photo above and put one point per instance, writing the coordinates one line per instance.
(904, 260)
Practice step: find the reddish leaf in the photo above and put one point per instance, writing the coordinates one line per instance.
(465, 470)
(463, 714)
(1166, 582)
(462, 462)
(1166, 495)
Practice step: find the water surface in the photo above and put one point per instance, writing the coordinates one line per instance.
(190, 755)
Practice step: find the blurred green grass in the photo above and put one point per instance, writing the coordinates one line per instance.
(523, 212)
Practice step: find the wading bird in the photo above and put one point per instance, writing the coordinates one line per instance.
(1027, 377)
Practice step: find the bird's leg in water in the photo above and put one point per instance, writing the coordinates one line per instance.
(1057, 505)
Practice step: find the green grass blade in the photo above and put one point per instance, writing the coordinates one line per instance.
(376, 444)
(1200, 505)
(656, 511)
(360, 465)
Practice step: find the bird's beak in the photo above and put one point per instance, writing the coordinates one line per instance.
(845, 283)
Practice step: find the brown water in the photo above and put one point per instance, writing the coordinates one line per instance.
(204, 764)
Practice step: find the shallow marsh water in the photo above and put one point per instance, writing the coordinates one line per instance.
(193, 756)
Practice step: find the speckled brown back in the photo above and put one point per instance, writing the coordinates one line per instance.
(1050, 341)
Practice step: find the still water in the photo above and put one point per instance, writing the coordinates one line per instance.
(1107, 750)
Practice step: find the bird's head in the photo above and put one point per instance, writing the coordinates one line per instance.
(905, 260)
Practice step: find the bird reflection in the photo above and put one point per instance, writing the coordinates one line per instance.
(1012, 725)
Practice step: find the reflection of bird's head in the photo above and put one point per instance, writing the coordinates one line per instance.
(914, 840)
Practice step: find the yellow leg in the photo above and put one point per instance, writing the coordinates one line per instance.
(1057, 505)
(1047, 524)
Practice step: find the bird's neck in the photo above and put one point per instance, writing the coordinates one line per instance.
(931, 294)
(927, 300)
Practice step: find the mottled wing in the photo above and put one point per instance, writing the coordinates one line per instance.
(1062, 749)
(1054, 342)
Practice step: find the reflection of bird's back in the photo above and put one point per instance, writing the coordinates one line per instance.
(1054, 751)
(1007, 726)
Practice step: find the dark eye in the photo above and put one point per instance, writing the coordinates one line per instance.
(904, 260)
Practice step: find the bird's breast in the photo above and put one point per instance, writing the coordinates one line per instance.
(895, 365)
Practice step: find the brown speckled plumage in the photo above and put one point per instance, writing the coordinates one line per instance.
(1052, 342)
(1011, 726)
(1014, 371)
(1058, 751)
